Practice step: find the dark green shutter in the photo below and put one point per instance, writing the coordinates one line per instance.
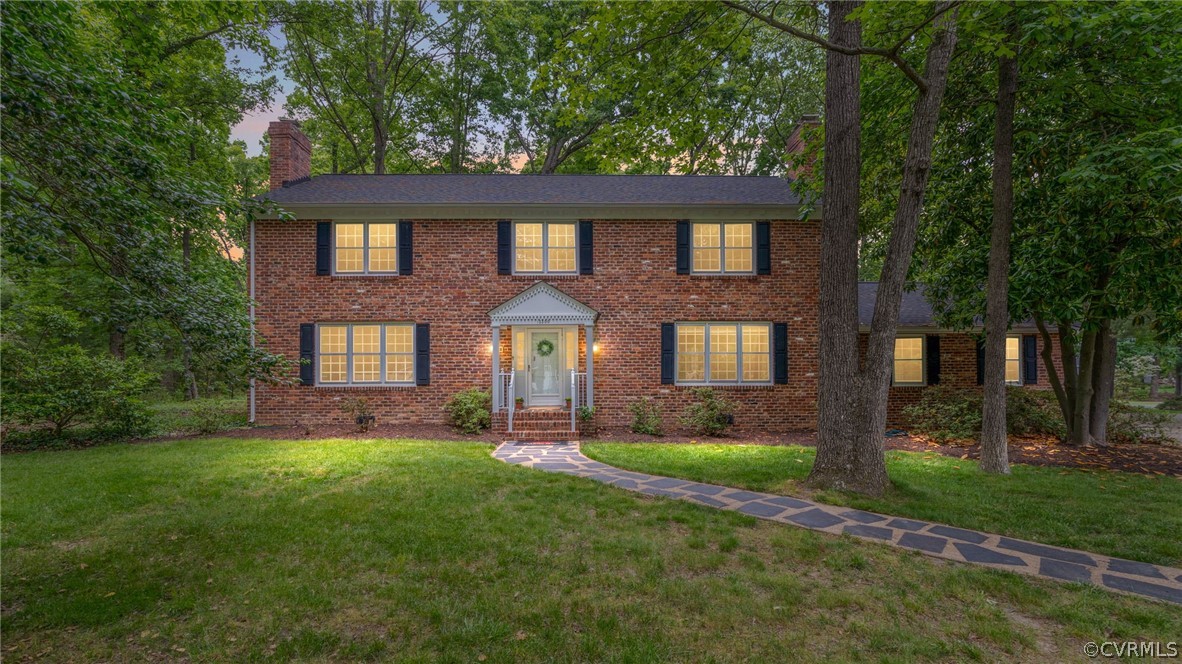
(586, 248)
(981, 361)
(323, 247)
(422, 354)
(668, 348)
(504, 247)
(683, 247)
(1030, 359)
(308, 353)
(780, 348)
(406, 247)
(932, 356)
(763, 247)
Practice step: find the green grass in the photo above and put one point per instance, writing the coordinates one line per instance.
(252, 550)
(206, 415)
(1119, 514)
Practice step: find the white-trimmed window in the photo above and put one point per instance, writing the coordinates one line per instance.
(544, 247)
(909, 361)
(724, 353)
(1013, 360)
(365, 247)
(365, 354)
(723, 248)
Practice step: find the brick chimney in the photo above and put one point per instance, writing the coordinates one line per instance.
(291, 152)
(802, 147)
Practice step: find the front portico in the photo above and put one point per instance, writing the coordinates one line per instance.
(542, 325)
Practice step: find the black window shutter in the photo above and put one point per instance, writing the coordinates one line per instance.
(932, 355)
(668, 347)
(763, 247)
(323, 247)
(308, 353)
(780, 348)
(504, 247)
(586, 248)
(422, 354)
(1030, 359)
(683, 247)
(981, 361)
(406, 247)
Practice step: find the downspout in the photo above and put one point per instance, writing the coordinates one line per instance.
(252, 341)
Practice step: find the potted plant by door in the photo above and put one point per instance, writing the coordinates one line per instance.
(520, 403)
(568, 403)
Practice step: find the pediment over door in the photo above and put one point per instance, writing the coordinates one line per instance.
(542, 304)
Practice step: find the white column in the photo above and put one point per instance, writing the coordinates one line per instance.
(589, 332)
(496, 367)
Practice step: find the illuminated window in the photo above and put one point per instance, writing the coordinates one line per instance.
(366, 354)
(723, 248)
(1013, 360)
(365, 248)
(724, 353)
(909, 361)
(544, 247)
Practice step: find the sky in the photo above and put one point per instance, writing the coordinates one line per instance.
(254, 125)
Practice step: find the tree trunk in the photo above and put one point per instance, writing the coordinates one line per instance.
(994, 453)
(838, 379)
(1154, 385)
(1080, 429)
(553, 157)
(1103, 383)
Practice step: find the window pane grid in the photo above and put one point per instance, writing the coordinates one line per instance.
(723, 248)
(366, 354)
(544, 247)
(721, 353)
(1013, 361)
(909, 361)
(365, 248)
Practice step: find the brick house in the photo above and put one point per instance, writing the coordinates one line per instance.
(553, 292)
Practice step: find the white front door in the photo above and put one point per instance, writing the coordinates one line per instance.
(546, 355)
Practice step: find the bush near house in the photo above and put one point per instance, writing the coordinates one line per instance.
(646, 417)
(470, 411)
(710, 415)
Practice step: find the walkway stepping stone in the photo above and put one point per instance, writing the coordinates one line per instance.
(1048, 562)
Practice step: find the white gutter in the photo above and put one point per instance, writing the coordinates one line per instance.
(250, 417)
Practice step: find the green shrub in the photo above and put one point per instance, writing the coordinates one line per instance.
(646, 417)
(359, 411)
(210, 417)
(1130, 424)
(587, 424)
(64, 386)
(470, 411)
(946, 413)
(710, 415)
(1173, 403)
(1033, 412)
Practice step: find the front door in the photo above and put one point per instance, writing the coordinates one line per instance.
(545, 367)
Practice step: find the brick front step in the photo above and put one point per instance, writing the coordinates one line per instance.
(535, 425)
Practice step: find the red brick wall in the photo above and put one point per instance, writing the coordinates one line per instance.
(635, 288)
(958, 368)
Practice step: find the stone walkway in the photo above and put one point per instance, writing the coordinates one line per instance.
(933, 539)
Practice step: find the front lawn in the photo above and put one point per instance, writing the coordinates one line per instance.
(232, 550)
(1120, 514)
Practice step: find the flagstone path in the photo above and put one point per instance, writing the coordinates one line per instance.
(934, 539)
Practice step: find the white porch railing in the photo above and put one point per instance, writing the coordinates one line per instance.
(505, 400)
(578, 396)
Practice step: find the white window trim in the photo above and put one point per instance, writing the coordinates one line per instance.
(1020, 360)
(545, 248)
(923, 362)
(349, 382)
(722, 248)
(365, 271)
(708, 382)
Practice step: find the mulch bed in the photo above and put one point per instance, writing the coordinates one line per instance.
(1043, 451)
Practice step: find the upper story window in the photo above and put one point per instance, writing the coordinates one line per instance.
(723, 248)
(724, 353)
(365, 354)
(544, 247)
(909, 361)
(365, 248)
(1014, 360)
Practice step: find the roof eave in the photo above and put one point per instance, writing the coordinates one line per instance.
(541, 211)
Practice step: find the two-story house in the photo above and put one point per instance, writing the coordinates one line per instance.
(553, 292)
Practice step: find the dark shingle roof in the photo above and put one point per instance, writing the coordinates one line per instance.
(538, 190)
(915, 311)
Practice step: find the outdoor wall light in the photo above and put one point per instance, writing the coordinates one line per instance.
(595, 348)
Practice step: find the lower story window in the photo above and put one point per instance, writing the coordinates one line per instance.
(723, 353)
(365, 353)
(908, 361)
(1013, 360)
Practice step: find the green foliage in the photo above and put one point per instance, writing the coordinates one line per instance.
(710, 414)
(1173, 403)
(1132, 424)
(646, 417)
(470, 411)
(949, 413)
(64, 386)
(358, 410)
